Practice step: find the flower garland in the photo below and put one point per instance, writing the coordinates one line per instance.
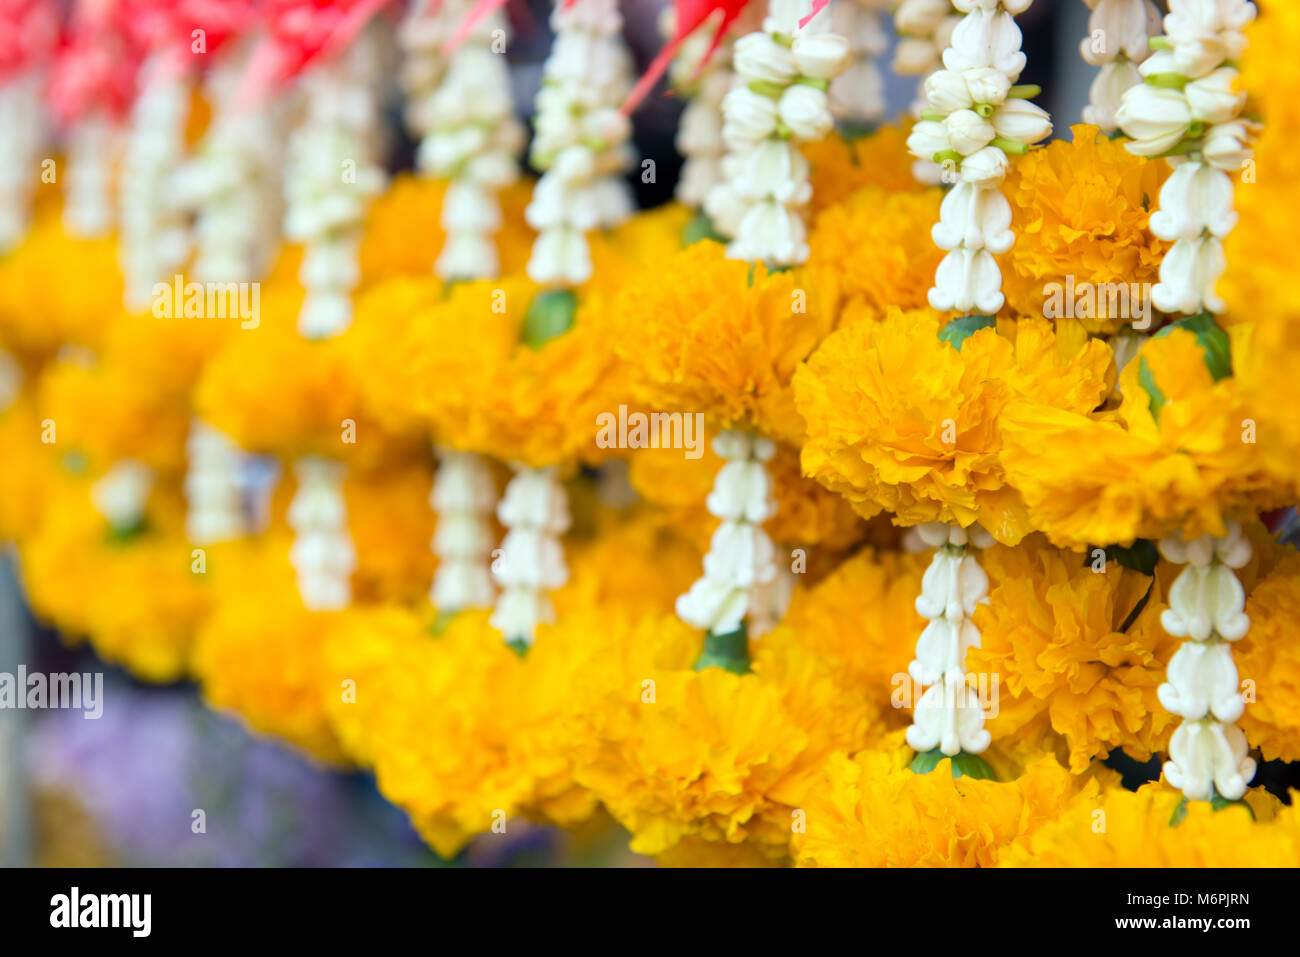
(463, 496)
(473, 138)
(322, 552)
(857, 95)
(1188, 109)
(783, 74)
(30, 30)
(215, 510)
(1117, 42)
(976, 116)
(580, 140)
(331, 175)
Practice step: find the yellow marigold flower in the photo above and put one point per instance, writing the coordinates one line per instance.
(258, 654)
(1071, 665)
(31, 475)
(841, 167)
(138, 600)
(871, 811)
(1269, 658)
(861, 624)
(271, 390)
(876, 245)
(134, 399)
(1081, 209)
(620, 254)
(56, 289)
(901, 420)
(1114, 478)
(1120, 828)
(719, 340)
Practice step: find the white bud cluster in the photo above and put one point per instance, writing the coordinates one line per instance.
(924, 30)
(94, 143)
(581, 140)
(949, 716)
(121, 493)
(1118, 41)
(473, 138)
(783, 74)
(215, 511)
(22, 132)
(155, 236)
(233, 181)
(331, 176)
(976, 115)
(463, 496)
(421, 37)
(1188, 108)
(1208, 753)
(535, 512)
(858, 94)
(741, 559)
(322, 552)
(699, 133)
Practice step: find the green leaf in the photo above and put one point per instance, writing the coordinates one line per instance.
(963, 764)
(126, 534)
(1180, 813)
(851, 131)
(519, 646)
(700, 227)
(441, 621)
(549, 316)
(963, 327)
(75, 462)
(926, 761)
(1219, 802)
(729, 651)
(972, 766)
(1155, 398)
(1214, 344)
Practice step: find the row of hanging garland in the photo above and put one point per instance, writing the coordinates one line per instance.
(1096, 491)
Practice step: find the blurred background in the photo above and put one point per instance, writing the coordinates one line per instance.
(118, 790)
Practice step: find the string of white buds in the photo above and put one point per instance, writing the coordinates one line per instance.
(474, 139)
(858, 94)
(924, 30)
(22, 135)
(783, 73)
(741, 556)
(214, 501)
(949, 715)
(322, 552)
(977, 115)
(580, 140)
(233, 181)
(1208, 753)
(421, 37)
(530, 564)
(94, 143)
(1118, 40)
(120, 494)
(331, 176)
(1188, 110)
(155, 240)
(463, 496)
(699, 133)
